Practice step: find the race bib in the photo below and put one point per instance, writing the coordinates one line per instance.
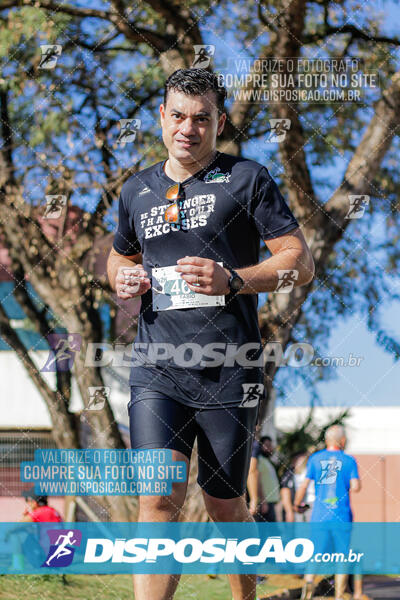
(170, 291)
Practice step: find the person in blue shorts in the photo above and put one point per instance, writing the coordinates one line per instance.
(188, 243)
(335, 475)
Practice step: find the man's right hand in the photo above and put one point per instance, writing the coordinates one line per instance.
(253, 507)
(131, 282)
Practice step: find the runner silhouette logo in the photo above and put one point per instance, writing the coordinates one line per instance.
(62, 547)
(252, 394)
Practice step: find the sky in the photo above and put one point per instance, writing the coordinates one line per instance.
(375, 382)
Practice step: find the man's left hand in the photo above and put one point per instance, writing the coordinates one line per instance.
(212, 279)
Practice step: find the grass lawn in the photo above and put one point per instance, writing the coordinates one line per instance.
(119, 587)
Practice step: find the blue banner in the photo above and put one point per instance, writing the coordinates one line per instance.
(107, 548)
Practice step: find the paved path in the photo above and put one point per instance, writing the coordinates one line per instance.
(380, 587)
(377, 587)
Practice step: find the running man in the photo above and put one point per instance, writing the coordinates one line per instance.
(191, 226)
(335, 474)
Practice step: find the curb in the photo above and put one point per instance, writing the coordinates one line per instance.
(284, 594)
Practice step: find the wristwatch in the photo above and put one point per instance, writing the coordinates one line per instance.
(235, 282)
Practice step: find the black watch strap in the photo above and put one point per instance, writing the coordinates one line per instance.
(235, 282)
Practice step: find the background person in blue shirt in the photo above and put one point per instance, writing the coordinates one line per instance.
(335, 474)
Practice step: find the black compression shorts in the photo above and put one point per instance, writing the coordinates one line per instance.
(224, 437)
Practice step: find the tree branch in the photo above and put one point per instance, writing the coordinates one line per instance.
(367, 158)
(39, 319)
(355, 32)
(67, 9)
(296, 173)
(6, 149)
(135, 34)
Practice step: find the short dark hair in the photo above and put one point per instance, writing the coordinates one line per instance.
(196, 82)
(42, 500)
(30, 495)
(264, 438)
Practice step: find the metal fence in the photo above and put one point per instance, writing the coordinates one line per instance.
(16, 447)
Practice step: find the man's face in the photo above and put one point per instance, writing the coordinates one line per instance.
(190, 125)
(267, 448)
(31, 504)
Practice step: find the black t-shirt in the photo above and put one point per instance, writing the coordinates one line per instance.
(228, 207)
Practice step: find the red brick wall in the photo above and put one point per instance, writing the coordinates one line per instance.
(11, 507)
(379, 498)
